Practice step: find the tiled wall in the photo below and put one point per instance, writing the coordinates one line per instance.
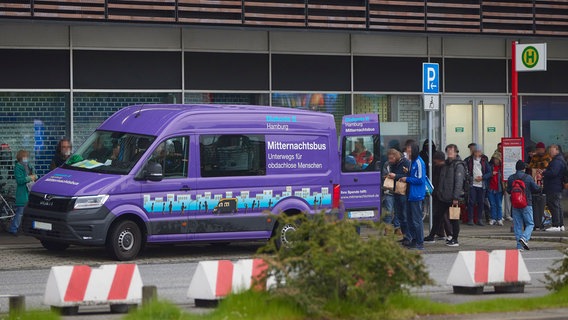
(91, 109)
(373, 103)
(227, 98)
(31, 121)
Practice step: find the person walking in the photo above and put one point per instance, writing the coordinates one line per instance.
(495, 190)
(398, 169)
(552, 185)
(522, 216)
(24, 176)
(62, 153)
(416, 192)
(479, 172)
(441, 225)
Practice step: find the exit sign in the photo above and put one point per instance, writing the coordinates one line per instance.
(459, 129)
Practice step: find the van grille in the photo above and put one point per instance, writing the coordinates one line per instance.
(50, 202)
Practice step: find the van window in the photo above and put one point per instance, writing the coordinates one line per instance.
(360, 153)
(109, 152)
(173, 155)
(232, 155)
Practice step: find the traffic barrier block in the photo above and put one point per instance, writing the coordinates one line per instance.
(74, 286)
(505, 270)
(214, 280)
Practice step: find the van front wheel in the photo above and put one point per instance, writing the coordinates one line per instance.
(124, 240)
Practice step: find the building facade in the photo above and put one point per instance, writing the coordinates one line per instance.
(66, 65)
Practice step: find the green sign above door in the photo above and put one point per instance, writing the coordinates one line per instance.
(491, 129)
(459, 129)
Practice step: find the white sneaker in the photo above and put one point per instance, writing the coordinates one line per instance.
(562, 228)
(500, 222)
(554, 229)
(491, 222)
(509, 218)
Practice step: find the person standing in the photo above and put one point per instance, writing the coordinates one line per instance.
(23, 174)
(440, 223)
(398, 169)
(478, 171)
(416, 192)
(539, 160)
(451, 188)
(495, 190)
(62, 153)
(523, 216)
(552, 182)
(388, 195)
(424, 152)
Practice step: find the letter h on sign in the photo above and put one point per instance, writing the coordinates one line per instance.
(430, 78)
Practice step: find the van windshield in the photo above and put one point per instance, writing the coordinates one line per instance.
(110, 152)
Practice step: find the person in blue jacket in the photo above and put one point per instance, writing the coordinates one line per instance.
(416, 192)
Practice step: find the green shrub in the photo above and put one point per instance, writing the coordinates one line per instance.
(32, 315)
(162, 310)
(329, 268)
(557, 279)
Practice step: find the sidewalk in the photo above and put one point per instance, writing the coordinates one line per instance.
(471, 238)
(548, 314)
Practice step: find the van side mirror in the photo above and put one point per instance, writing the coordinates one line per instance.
(153, 172)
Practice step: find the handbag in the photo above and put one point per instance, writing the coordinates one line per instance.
(400, 187)
(388, 184)
(429, 186)
(455, 212)
(29, 185)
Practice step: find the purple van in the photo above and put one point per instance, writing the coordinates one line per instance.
(204, 173)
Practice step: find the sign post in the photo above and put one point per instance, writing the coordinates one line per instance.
(513, 151)
(524, 58)
(431, 99)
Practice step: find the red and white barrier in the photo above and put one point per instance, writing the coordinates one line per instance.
(83, 285)
(214, 280)
(500, 268)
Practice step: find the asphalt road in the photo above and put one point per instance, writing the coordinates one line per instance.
(172, 280)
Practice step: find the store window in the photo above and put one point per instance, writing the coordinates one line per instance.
(549, 126)
(31, 121)
(90, 109)
(260, 99)
(401, 117)
(336, 104)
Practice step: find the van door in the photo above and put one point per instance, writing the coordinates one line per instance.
(167, 202)
(361, 166)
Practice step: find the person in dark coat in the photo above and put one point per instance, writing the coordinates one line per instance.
(424, 153)
(440, 223)
(450, 189)
(552, 185)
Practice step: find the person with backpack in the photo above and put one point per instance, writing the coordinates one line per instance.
(552, 186)
(521, 186)
(416, 193)
(440, 223)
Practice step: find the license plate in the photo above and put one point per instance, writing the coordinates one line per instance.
(42, 225)
(361, 214)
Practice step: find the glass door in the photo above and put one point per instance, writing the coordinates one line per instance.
(480, 120)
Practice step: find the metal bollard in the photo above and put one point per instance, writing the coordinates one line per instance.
(149, 294)
(17, 305)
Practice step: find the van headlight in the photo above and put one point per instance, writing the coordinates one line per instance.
(90, 202)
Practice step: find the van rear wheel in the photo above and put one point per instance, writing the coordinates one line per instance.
(124, 240)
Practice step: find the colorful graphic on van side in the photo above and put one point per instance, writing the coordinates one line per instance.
(304, 154)
(232, 202)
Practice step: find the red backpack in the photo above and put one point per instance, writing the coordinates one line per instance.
(518, 195)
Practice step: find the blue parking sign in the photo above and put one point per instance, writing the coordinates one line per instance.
(430, 78)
